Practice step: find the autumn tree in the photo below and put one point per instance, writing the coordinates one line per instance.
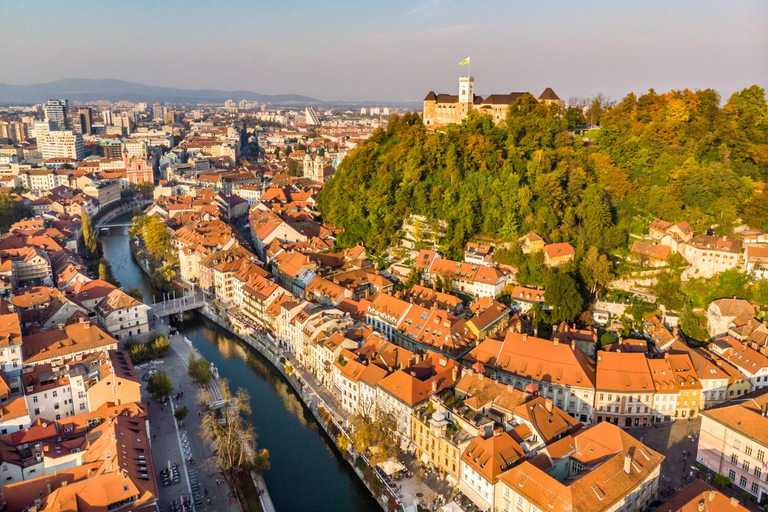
(234, 438)
(375, 434)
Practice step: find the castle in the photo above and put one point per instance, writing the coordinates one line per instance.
(440, 109)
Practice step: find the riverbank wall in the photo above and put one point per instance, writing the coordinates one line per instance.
(313, 402)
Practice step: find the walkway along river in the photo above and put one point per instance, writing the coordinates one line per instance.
(307, 473)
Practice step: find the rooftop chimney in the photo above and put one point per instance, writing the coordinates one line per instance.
(555, 342)
(497, 432)
(627, 463)
(712, 494)
(455, 374)
(434, 385)
(734, 501)
(701, 505)
(548, 404)
(525, 337)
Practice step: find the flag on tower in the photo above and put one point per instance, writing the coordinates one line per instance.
(465, 61)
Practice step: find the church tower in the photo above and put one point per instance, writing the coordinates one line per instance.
(307, 165)
(466, 89)
(318, 168)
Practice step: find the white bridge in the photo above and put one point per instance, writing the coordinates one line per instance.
(179, 304)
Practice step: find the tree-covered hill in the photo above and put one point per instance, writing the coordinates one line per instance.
(679, 156)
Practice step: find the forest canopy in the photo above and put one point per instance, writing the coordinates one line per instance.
(678, 156)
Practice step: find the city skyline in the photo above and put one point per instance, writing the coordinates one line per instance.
(344, 52)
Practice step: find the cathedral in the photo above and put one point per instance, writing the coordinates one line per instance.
(440, 109)
(317, 170)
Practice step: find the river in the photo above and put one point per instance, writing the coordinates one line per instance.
(307, 473)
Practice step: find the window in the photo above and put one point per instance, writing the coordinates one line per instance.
(760, 455)
(758, 472)
(34, 399)
(743, 482)
(745, 465)
(748, 450)
(734, 459)
(754, 488)
(732, 475)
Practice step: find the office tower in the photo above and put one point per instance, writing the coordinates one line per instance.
(56, 112)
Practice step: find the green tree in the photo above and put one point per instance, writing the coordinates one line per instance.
(160, 386)
(606, 339)
(89, 237)
(721, 480)
(145, 189)
(180, 414)
(105, 272)
(595, 270)
(199, 370)
(294, 169)
(135, 293)
(563, 298)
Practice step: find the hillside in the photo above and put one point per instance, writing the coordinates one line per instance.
(81, 89)
(678, 156)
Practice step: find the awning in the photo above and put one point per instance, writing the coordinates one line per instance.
(478, 500)
(392, 466)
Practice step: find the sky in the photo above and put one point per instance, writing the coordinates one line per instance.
(391, 50)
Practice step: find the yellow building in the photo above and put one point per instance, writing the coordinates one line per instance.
(440, 109)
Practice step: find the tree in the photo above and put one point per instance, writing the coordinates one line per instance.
(145, 189)
(160, 386)
(135, 293)
(721, 480)
(234, 438)
(293, 168)
(668, 290)
(563, 298)
(376, 434)
(89, 237)
(180, 414)
(414, 278)
(105, 272)
(606, 339)
(199, 370)
(595, 270)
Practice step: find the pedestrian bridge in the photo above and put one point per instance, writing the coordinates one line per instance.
(179, 305)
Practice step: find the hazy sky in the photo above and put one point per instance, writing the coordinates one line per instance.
(391, 49)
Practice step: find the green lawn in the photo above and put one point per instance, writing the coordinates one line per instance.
(591, 134)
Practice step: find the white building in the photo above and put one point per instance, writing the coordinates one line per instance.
(66, 144)
(123, 316)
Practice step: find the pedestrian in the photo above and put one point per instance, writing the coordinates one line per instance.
(230, 501)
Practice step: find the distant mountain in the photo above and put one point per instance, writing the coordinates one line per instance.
(85, 89)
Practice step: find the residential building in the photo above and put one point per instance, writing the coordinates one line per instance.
(483, 463)
(710, 255)
(733, 441)
(123, 316)
(599, 469)
(557, 254)
(747, 360)
(699, 496)
(79, 385)
(722, 312)
(562, 373)
(77, 338)
(624, 390)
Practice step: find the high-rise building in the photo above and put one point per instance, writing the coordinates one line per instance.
(86, 120)
(243, 104)
(42, 129)
(66, 144)
(108, 118)
(56, 112)
(311, 117)
(14, 130)
(229, 103)
(157, 111)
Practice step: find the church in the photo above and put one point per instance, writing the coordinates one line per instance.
(440, 109)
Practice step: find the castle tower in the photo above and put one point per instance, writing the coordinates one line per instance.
(466, 89)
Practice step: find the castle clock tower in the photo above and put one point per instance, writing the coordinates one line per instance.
(466, 89)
